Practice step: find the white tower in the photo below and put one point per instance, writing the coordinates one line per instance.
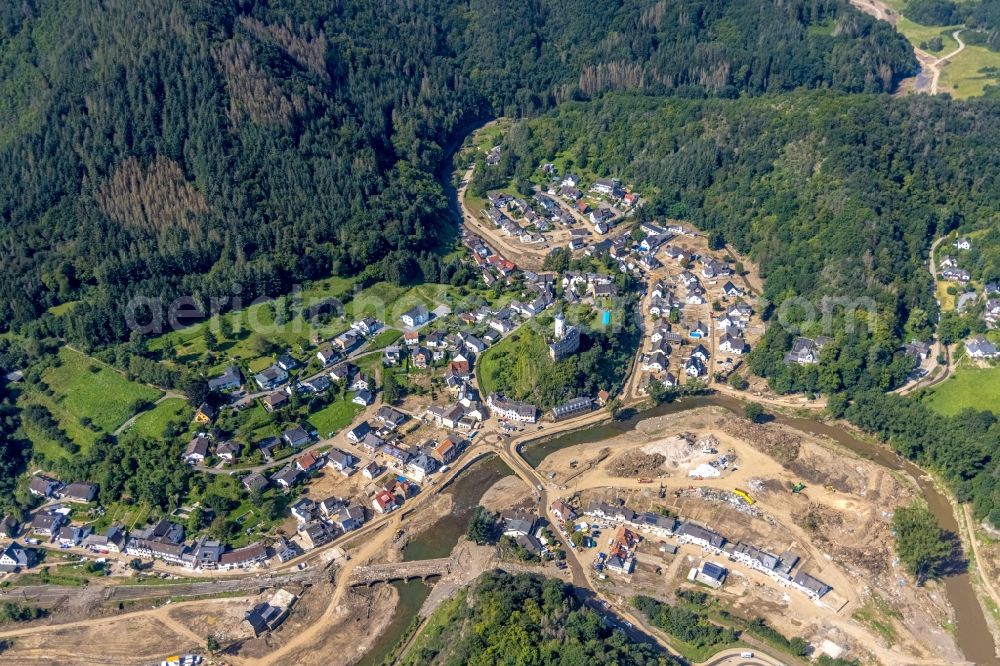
(560, 331)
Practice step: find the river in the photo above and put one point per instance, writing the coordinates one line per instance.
(972, 633)
(438, 540)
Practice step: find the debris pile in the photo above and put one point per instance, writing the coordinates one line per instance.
(726, 497)
(676, 450)
(776, 442)
(636, 463)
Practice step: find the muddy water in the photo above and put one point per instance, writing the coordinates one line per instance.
(411, 598)
(438, 540)
(973, 636)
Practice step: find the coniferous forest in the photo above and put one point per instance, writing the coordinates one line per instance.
(183, 149)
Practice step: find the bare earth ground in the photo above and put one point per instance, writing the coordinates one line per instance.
(505, 493)
(842, 517)
(359, 619)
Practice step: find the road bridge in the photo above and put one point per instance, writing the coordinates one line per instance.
(404, 571)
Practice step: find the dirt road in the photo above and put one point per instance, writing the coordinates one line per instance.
(928, 79)
(525, 256)
(373, 547)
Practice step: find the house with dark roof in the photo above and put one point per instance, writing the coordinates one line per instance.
(358, 432)
(421, 466)
(572, 408)
(391, 417)
(517, 522)
(46, 523)
(317, 533)
(196, 451)
(689, 532)
(511, 409)
(364, 397)
(270, 377)
(415, 316)
(244, 557)
(79, 492)
(287, 477)
(16, 557)
(296, 436)
(711, 574)
(621, 562)
(43, 486)
(813, 587)
(205, 413)
(227, 381)
(228, 450)
(979, 347)
(342, 461)
(804, 352)
(268, 615)
(255, 482)
(71, 535)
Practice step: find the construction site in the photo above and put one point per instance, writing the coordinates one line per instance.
(779, 490)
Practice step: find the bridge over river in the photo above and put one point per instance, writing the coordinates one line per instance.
(404, 571)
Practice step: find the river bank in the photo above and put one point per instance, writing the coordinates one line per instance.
(972, 631)
(432, 539)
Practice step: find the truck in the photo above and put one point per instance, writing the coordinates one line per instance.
(746, 654)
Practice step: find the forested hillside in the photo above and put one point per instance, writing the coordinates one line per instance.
(523, 619)
(184, 148)
(832, 195)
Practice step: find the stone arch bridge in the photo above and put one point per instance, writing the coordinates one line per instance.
(404, 571)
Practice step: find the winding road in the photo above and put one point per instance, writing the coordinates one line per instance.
(928, 78)
(943, 60)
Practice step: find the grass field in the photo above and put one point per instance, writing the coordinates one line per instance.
(384, 338)
(84, 388)
(152, 423)
(335, 416)
(88, 388)
(946, 300)
(918, 34)
(129, 515)
(524, 353)
(382, 300)
(84, 437)
(968, 387)
(962, 76)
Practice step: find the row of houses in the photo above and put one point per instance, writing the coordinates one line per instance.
(163, 540)
(318, 523)
(780, 568)
(512, 410)
(46, 487)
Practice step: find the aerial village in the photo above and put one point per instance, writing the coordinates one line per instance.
(697, 325)
(964, 296)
